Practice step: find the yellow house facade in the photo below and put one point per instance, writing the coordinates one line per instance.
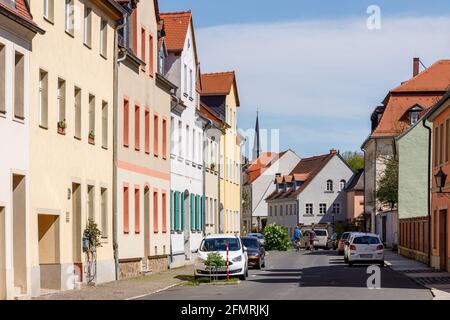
(220, 93)
(71, 141)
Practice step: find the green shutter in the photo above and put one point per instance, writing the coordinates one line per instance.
(171, 211)
(197, 213)
(182, 212)
(202, 214)
(177, 210)
(192, 204)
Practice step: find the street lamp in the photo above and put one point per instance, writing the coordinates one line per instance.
(440, 178)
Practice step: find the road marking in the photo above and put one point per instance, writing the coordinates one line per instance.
(157, 291)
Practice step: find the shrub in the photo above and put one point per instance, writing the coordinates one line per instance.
(276, 238)
(215, 260)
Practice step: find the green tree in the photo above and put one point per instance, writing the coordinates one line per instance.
(354, 159)
(276, 238)
(387, 192)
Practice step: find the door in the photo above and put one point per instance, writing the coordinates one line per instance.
(443, 239)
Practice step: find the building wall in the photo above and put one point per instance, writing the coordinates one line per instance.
(316, 193)
(230, 193)
(355, 204)
(14, 159)
(211, 156)
(263, 186)
(143, 167)
(59, 160)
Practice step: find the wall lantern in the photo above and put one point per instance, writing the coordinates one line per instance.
(440, 178)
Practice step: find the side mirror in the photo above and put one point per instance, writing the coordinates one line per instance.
(195, 251)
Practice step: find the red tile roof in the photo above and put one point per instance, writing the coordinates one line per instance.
(425, 89)
(304, 171)
(257, 167)
(176, 25)
(219, 83)
(21, 10)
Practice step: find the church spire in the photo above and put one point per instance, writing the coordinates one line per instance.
(257, 142)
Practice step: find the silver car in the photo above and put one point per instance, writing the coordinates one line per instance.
(320, 240)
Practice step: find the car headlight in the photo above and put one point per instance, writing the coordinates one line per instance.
(237, 259)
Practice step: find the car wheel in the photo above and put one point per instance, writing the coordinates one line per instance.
(246, 272)
(382, 264)
(243, 277)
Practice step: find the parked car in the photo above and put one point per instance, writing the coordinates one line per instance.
(237, 256)
(255, 252)
(321, 238)
(332, 242)
(341, 242)
(366, 248)
(347, 244)
(260, 237)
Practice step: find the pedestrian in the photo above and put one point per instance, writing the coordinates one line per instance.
(312, 238)
(297, 237)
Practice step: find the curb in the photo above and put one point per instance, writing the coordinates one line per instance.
(157, 291)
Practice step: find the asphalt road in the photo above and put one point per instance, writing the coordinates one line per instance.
(321, 275)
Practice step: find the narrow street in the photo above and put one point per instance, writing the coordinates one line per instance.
(304, 276)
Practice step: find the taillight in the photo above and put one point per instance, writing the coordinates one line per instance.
(353, 247)
(380, 247)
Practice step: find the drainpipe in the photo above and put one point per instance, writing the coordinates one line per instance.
(429, 188)
(115, 125)
(205, 128)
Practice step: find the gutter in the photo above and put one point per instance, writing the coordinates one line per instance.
(429, 188)
(115, 147)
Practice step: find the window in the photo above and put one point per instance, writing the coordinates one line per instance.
(137, 215)
(441, 144)
(126, 122)
(187, 143)
(155, 135)
(164, 212)
(19, 74)
(336, 208)
(447, 139)
(323, 208)
(342, 185)
(164, 139)
(134, 32)
(329, 185)
(270, 211)
(281, 210)
(185, 71)
(104, 208)
(61, 103)
(414, 117)
(91, 204)
(143, 45)
(126, 210)
(436, 143)
(92, 118)
(180, 139)
(436, 229)
(77, 109)
(87, 26)
(104, 38)
(191, 83)
(155, 212)
(104, 124)
(43, 99)
(49, 10)
(309, 209)
(275, 210)
(137, 128)
(2, 79)
(150, 55)
(147, 131)
(69, 17)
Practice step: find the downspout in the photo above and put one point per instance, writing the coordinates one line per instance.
(206, 127)
(115, 125)
(429, 188)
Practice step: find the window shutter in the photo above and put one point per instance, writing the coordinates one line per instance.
(202, 216)
(192, 219)
(197, 213)
(177, 210)
(172, 222)
(182, 212)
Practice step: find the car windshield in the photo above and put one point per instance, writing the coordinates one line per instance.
(345, 236)
(219, 244)
(257, 235)
(250, 242)
(320, 233)
(366, 240)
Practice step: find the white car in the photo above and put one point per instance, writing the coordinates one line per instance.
(366, 248)
(237, 256)
(347, 244)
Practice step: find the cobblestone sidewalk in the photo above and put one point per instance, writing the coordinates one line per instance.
(126, 289)
(437, 281)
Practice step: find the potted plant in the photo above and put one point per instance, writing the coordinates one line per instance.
(91, 241)
(91, 137)
(62, 126)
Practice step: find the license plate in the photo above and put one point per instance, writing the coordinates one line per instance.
(221, 269)
(366, 256)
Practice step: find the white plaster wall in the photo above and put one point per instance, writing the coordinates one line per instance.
(15, 153)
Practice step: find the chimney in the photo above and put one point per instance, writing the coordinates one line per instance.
(416, 66)
(333, 151)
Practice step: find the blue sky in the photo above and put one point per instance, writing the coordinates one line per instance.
(313, 68)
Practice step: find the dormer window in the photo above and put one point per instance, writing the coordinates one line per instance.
(414, 114)
(342, 185)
